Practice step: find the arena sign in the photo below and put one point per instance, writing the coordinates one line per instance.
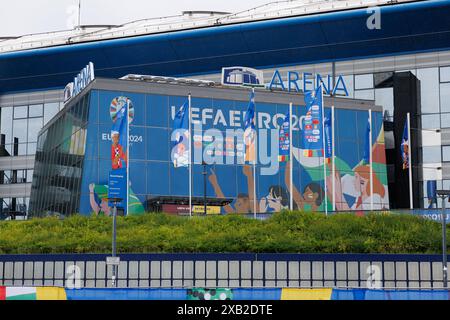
(306, 83)
(81, 81)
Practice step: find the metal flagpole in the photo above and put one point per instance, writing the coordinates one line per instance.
(254, 161)
(370, 159)
(411, 204)
(79, 13)
(190, 157)
(291, 199)
(128, 152)
(323, 145)
(333, 164)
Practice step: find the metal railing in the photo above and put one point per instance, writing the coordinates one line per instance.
(225, 270)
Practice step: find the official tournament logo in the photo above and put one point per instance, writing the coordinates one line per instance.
(116, 106)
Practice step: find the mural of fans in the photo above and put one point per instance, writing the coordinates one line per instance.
(276, 200)
(242, 203)
(353, 191)
(312, 197)
(98, 195)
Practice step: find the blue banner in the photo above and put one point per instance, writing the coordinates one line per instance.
(120, 112)
(119, 132)
(250, 131)
(367, 146)
(405, 147)
(180, 137)
(431, 193)
(328, 137)
(312, 124)
(284, 140)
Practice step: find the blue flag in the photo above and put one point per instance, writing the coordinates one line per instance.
(328, 137)
(367, 146)
(431, 193)
(119, 132)
(250, 131)
(312, 124)
(284, 140)
(180, 137)
(120, 111)
(405, 147)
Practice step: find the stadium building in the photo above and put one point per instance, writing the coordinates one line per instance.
(395, 53)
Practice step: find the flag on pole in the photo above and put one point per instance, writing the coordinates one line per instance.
(119, 132)
(312, 124)
(284, 140)
(405, 147)
(250, 131)
(121, 111)
(328, 139)
(367, 145)
(181, 137)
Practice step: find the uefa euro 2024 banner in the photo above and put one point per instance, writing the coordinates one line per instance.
(218, 139)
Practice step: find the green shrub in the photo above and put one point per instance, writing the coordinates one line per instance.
(292, 232)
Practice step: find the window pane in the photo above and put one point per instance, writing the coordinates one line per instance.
(445, 74)
(385, 98)
(445, 120)
(31, 148)
(430, 121)
(445, 97)
(429, 81)
(20, 130)
(365, 94)
(20, 112)
(446, 153)
(431, 154)
(6, 123)
(363, 81)
(50, 110)
(35, 110)
(34, 125)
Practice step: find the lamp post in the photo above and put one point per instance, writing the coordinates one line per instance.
(444, 194)
(113, 260)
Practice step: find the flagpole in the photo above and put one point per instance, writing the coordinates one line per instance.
(323, 154)
(370, 159)
(333, 164)
(128, 154)
(411, 204)
(254, 161)
(190, 158)
(291, 199)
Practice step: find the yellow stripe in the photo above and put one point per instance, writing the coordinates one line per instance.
(306, 294)
(50, 293)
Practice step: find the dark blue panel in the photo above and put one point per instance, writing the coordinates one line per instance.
(138, 143)
(157, 182)
(157, 111)
(158, 145)
(138, 101)
(138, 177)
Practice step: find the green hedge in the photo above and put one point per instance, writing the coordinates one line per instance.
(284, 232)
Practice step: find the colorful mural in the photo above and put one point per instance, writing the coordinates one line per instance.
(152, 172)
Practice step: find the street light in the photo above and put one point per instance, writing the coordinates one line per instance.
(113, 260)
(444, 194)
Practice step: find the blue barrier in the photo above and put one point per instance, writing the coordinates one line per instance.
(253, 294)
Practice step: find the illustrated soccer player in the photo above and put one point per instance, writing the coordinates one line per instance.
(118, 155)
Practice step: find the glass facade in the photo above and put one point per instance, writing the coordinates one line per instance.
(59, 162)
